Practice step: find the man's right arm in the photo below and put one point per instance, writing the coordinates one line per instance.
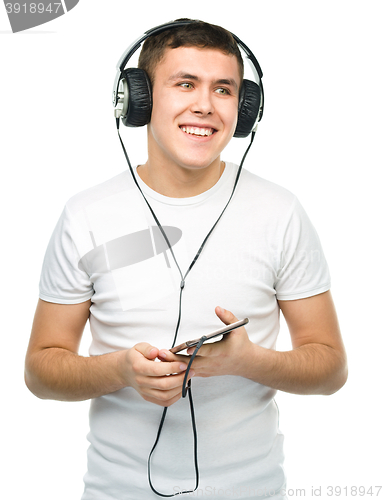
(54, 369)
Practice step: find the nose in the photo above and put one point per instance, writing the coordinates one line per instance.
(202, 104)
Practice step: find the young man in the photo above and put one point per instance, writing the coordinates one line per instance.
(262, 257)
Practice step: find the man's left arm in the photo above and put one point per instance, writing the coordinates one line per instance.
(317, 364)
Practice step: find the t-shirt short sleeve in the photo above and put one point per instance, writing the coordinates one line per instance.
(61, 279)
(303, 270)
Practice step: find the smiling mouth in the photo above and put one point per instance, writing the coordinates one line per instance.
(197, 131)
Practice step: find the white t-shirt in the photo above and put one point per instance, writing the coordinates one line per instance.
(107, 247)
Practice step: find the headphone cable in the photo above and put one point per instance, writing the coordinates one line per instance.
(186, 386)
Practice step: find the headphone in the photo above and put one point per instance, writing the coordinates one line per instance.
(132, 91)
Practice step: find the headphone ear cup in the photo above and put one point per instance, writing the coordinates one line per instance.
(139, 96)
(248, 108)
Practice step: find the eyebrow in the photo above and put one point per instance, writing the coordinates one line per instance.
(222, 81)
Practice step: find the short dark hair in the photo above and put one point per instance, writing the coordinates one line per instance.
(195, 34)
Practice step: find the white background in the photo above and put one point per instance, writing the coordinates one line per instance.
(320, 137)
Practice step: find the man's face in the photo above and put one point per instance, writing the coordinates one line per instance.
(195, 107)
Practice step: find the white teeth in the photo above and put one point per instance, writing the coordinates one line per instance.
(197, 131)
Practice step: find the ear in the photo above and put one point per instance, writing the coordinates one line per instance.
(248, 108)
(139, 97)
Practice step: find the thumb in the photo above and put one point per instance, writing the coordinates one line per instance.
(225, 316)
(147, 350)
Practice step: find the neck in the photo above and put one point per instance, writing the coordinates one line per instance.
(180, 182)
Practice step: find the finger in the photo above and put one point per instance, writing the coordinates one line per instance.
(147, 350)
(166, 355)
(161, 401)
(143, 362)
(225, 316)
(162, 369)
(167, 383)
(158, 395)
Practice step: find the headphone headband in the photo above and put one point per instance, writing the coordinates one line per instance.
(174, 24)
(153, 31)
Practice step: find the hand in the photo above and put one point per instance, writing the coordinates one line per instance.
(157, 382)
(229, 356)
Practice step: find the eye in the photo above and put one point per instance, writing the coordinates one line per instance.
(222, 91)
(186, 85)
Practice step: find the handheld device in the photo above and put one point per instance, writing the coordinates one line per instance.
(222, 331)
